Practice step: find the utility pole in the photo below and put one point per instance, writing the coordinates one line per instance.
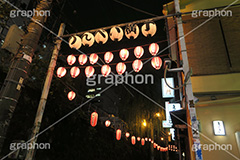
(45, 91)
(191, 112)
(18, 70)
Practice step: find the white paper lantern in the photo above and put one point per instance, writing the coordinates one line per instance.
(87, 39)
(149, 29)
(75, 42)
(116, 33)
(101, 36)
(132, 31)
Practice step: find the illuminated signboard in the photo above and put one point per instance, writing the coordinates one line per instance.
(169, 107)
(218, 128)
(166, 91)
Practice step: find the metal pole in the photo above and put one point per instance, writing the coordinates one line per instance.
(42, 103)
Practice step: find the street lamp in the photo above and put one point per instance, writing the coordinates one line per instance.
(158, 114)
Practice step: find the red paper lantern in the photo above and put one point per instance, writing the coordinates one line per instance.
(108, 57)
(154, 145)
(142, 141)
(153, 48)
(89, 71)
(121, 68)
(82, 59)
(71, 59)
(137, 65)
(118, 134)
(133, 140)
(152, 141)
(123, 54)
(106, 69)
(93, 58)
(107, 123)
(94, 119)
(158, 147)
(156, 62)
(149, 139)
(138, 138)
(127, 134)
(138, 51)
(74, 72)
(71, 95)
(61, 72)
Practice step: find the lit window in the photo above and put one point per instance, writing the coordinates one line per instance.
(91, 90)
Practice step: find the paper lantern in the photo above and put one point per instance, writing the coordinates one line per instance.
(142, 141)
(137, 65)
(153, 48)
(87, 39)
(138, 51)
(146, 139)
(149, 139)
(101, 36)
(82, 59)
(75, 42)
(158, 147)
(94, 119)
(132, 31)
(108, 57)
(116, 33)
(123, 54)
(133, 140)
(89, 71)
(71, 59)
(71, 95)
(106, 69)
(154, 145)
(138, 138)
(120, 68)
(152, 141)
(149, 29)
(107, 123)
(156, 62)
(118, 134)
(127, 134)
(61, 72)
(74, 72)
(93, 58)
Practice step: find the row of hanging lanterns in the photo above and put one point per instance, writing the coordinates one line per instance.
(116, 34)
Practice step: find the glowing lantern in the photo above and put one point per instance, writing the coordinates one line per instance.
(107, 123)
(132, 31)
(149, 29)
(118, 134)
(138, 51)
(133, 140)
(94, 119)
(156, 62)
(93, 58)
(61, 72)
(106, 69)
(149, 139)
(89, 71)
(71, 59)
(121, 68)
(152, 141)
(123, 54)
(75, 42)
(158, 147)
(87, 39)
(101, 36)
(142, 141)
(74, 72)
(137, 65)
(71, 95)
(82, 59)
(153, 48)
(154, 145)
(138, 138)
(108, 57)
(146, 139)
(161, 149)
(116, 33)
(127, 134)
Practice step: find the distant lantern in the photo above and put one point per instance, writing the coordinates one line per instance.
(71, 59)
(158, 147)
(82, 59)
(87, 39)
(94, 119)
(152, 141)
(71, 95)
(142, 141)
(120, 68)
(107, 123)
(74, 72)
(146, 139)
(118, 134)
(106, 69)
(93, 58)
(75, 42)
(137, 65)
(116, 33)
(124, 53)
(133, 140)
(132, 31)
(101, 36)
(61, 72)
(108, 57)
(156, 62)
(138, 138)
(153, 48)
(161, 149)
(138, 51)
(89, 71)
(154, 145)
(149, 139)
(127, 134)
(149, 29)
